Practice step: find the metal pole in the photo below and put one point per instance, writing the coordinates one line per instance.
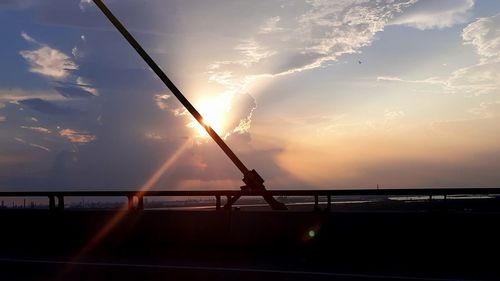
(171, 86)
(251, 178)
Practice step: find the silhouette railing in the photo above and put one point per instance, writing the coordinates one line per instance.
(229, 194)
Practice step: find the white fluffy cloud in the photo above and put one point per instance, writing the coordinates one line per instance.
(484, 35)
(48, 61)
(483, 77)
(428, 14)
(161, 100)
(55, 64)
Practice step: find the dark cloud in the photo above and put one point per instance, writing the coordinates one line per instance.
(44, 106)
(73, 92)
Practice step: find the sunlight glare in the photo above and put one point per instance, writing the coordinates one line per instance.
(214, 111)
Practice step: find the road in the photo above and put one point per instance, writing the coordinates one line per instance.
(66, 269)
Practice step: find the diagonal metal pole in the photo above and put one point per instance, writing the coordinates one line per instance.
(252, 180)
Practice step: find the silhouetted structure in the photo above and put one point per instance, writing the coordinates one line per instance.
(253, 181)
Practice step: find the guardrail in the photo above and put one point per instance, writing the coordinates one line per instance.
(229, 194)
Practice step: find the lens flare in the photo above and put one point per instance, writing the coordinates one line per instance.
(120, 214)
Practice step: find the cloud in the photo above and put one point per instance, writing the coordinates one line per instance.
(325, 31)
(32, 144)
(86, 86)
(270, 26)
(483, 77)
(316, 33)
(393, 115)
(49, 62)
(44, 106)
(84, 4)
(15, 95)
(20, 140)
(161, 100)
(240, 114)
(337, 28)
(75, 52)
(37, 129)
(28, 38)
(484, 36)
(487, 109)
(153, 136)
(80, 89)
(78, 51)
(322, 32)
(429, 14)
(39, 147)
(77, 137)
(73, 92)
(390, 78)
(431, 80)
(477, 79)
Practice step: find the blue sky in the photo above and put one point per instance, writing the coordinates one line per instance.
(312, 94)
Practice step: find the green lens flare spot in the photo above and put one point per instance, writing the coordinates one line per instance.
(311, 233)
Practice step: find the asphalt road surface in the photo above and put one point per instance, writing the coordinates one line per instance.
(66, 269)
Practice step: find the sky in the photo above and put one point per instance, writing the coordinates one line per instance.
(310, 93)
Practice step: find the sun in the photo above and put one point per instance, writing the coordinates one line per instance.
(214, 111)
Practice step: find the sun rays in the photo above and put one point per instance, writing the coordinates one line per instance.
(120, 214)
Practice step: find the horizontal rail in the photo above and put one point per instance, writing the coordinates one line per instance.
(232, 194)
(288, 192)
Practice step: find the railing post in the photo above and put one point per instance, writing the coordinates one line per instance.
(230, 201)
(130, 202)
(140, 202)
(228, 204)
(52, 202)
(217, 202)
(60, 202)
(316, 203)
